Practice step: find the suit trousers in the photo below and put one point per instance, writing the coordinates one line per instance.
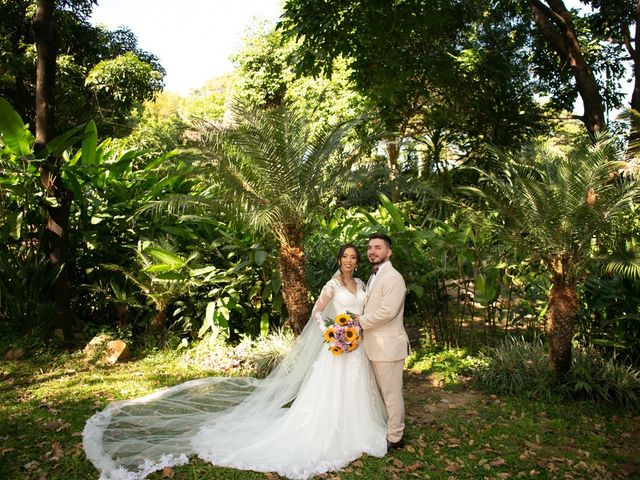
(389, 378)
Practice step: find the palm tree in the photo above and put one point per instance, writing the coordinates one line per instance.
(275, 169)
(563, 208)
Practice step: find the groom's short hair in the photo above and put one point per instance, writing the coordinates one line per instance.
(381, 236)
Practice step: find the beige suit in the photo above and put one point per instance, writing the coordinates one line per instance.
(386, 343)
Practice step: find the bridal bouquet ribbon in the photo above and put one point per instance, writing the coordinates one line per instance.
(343, 334)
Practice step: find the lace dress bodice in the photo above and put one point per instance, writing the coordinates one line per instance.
(336, 298)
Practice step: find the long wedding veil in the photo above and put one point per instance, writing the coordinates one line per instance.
(131, 439)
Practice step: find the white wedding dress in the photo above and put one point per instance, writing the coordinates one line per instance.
(314, 413)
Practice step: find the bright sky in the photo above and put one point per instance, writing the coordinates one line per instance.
(192, 38)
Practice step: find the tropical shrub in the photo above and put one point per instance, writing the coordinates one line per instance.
(459, 273)
(27, 276)
(610, 316)
(516, 367)
(601, 380)
(523, 369)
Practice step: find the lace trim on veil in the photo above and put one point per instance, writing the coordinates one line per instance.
(133, 438)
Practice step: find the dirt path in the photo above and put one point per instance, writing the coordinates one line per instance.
(425, 398)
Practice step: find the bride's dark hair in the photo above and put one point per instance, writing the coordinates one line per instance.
(343, 248)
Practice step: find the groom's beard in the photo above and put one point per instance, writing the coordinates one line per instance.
(378, 262)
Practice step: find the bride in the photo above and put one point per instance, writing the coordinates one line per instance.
(315, 412)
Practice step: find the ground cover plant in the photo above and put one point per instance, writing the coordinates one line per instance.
(453, 430)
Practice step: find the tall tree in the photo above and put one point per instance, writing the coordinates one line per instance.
(556, 24)
(46, 48)
(56, 238)
(561, 208)
(424, 66)
(264, 76)
(617, 21)
(81, 47)
(391, 50)
(399, 51)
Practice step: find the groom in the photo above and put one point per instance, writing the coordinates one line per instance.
(385, 340)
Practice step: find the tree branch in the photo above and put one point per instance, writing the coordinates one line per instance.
(549, 12)
(542, 16)
(627, 41)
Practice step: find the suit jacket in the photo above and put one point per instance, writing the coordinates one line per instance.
(385, 339)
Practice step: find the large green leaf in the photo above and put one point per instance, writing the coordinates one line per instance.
(487, 287)
(117, 169)
(264, 324)
(160, 160)
(260, 256)
(417, 289)
(208, 324)
(90, 144)
(165, 256)
(159, 268)
(15, 224)
(275, 282)
(169, 276)
(396, 215)
(179, 231)
(72, 182)
(62, 142)
(16, 137)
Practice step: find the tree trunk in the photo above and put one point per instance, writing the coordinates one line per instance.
(159, 321)
(56, 235)
(633, 44)
(633, 52)
(561, 314)
(556, 25)
(295, 290)
(45, 38)
(393, 153)
(122, 315)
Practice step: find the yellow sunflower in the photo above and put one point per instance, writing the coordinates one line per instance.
(353, 346)
(342, 319)
(329, 334)
(350, 334)
(335, 350)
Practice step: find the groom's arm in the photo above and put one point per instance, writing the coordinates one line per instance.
(393, 293)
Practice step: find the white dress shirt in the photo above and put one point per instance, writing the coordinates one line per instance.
(373, 277)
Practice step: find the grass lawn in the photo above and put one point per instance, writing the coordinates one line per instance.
(451, 433)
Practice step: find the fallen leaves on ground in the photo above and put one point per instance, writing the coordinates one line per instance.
(167, 472)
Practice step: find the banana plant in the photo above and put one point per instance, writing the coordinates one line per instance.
(30, 213)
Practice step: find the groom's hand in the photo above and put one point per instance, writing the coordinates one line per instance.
(356, 317)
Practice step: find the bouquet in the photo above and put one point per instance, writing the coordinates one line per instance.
(343, 335)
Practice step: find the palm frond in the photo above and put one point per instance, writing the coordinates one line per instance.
(176, 205)
(138, 282)
(557, 204)
(625, 269)
(271, 165)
